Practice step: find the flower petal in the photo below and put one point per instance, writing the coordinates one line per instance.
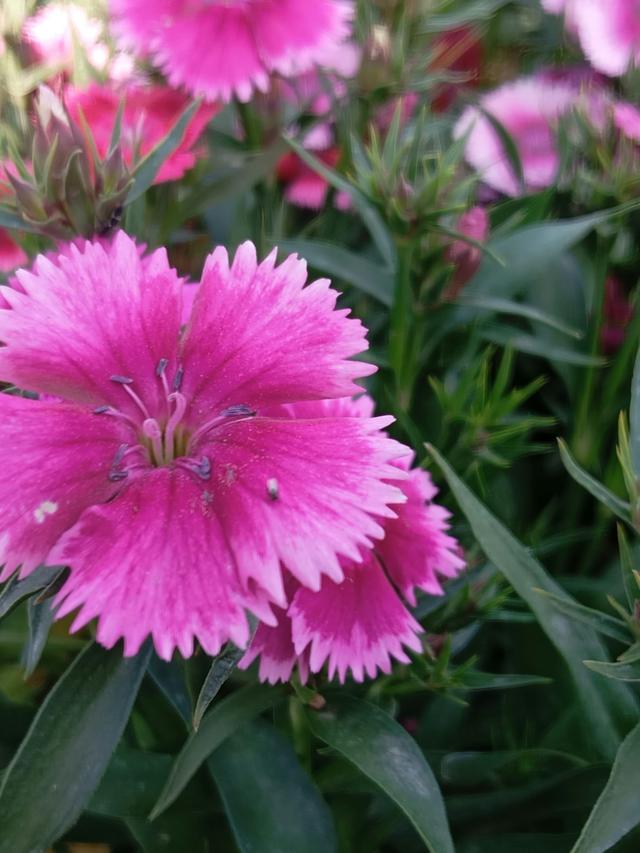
(416, 547)
(357, 625)
(257, 336)
(56, 464)
(274, 646)
(301, 492)
(155, 561)
(94, 313)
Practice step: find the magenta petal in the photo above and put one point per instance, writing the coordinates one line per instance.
(358, 625)
(301, 492)
(56, 464)
(274, 647)
(11, 254)
(155, 561)
(416, 547)
(94, 313)
(258, 336)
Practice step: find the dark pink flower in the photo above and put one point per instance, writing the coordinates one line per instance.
(149, 114)
(617, 314)
(474, 223)
(172, 477)
(220, 50)
(361, 623)
(11, 254)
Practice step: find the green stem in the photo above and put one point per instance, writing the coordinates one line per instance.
(401, 326)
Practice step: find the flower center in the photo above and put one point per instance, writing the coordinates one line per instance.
(165, 441)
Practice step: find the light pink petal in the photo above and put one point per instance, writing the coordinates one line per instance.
(609, 33)
(56, 463)
(258, 336)
(417, 549)
(93, 314)
(300, 492)
(308, 190)
(528, 109)
(274, 647)
(11, 254)
(626, 118)
(154, 561)
(358, 625)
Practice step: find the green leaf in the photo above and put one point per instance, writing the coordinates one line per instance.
(169, 678)
(149, 166)
(221, 668)
(622, 671)
(131, 784)
(221, 722)
(603, 623)
(607, 708)
(467, 769)
(65, 752)
(385, 753)
(469, 13)
(616, 811)
(340, 263)
(598, 490)
(474, 680)
(507, 336)
(14, 591)
(270, 801)
(518, 309)
(634, 415)
(40, 616)
(14, 222)
(370, 216)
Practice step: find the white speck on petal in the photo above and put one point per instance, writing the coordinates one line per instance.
(46, 508)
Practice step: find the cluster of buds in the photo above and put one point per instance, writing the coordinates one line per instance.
(67, 190)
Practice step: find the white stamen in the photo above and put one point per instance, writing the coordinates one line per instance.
(46, 508)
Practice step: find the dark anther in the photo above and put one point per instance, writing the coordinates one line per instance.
(115, 476)
(101, 410)
(162, 366)
(204, 468)
(121, 380)
(117, 459)
(177, 379)
(241, 409)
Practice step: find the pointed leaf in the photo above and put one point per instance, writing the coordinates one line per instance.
(220, 722)
(602, 623)
(270, 801)
(622, 671)
(66, 751)
(598, 490)
(14, 591)
(616, 811)
(169, 678)
(634, 415)
(608, 708)
(40, 615)
(387, 754)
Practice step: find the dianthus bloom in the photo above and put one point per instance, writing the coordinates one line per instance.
(12, 255)
(169, 475)
(608, 31)
(149, 114)
(528, 109)
(361, 623)
(226, 48)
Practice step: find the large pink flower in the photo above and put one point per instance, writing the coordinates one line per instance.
(361, 623)
(171, 477)
(528, 109)
(149, 114)
(222, 48)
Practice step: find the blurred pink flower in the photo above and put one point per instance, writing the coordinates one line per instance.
(172, 478)
(361, 623)
(306, 188)
(626, 119)
(11, 254)
(221, 50)
(528, 109)
(474, 223)
(149, 114)
(617, 314)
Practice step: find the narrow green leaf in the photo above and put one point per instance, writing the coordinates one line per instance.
(338, 262)
(602, 623)
(149, 166)
(219, 723)
(169, 678)
(598, 490)
(507, 336)
(270, 801)
(385, 753)
(131, 784)
(370, 216)
(40, 616)
(14, 591)
(608, 709)
(475, 768)
(469, 13)
(221, 668)
(14, 222)
(616, 811)
(634, 415)
(518, 309)
(475, 680)
(621, 671)
(65, 752)
(509, 147)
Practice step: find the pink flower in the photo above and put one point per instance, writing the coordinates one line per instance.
(527, 109)
(626, 118)
(609, 33)
(162, 478)
(149, 114)
(11, 254)
(221, 50)
(617, 314)
(474, 224)
(361, 623)
(306, 188)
